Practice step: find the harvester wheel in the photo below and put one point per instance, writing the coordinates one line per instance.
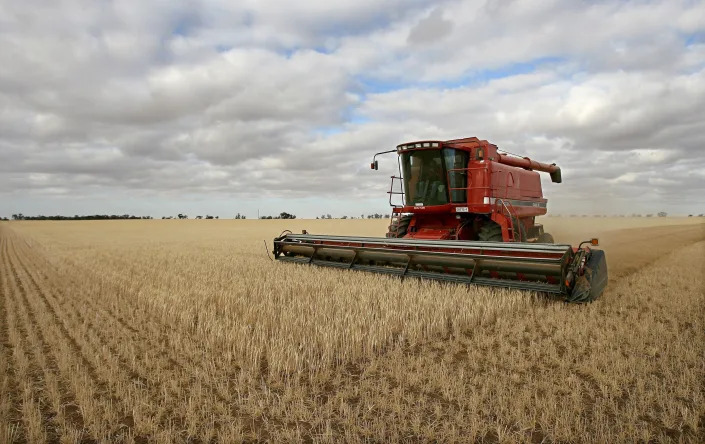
(545, 238)
(402, 227)
(490, 231)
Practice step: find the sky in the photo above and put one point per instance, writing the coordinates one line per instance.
(221, 107)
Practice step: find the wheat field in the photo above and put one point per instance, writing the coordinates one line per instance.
(185, 331)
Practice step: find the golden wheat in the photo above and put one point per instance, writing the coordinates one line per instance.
(175, 331)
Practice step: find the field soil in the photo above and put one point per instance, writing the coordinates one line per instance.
(185, 331)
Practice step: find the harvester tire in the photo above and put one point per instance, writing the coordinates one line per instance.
(491, 232)
(545, 238)
(401, 229)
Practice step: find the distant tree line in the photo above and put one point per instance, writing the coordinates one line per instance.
(20, 216)
(184, 216)
(282, 215)
(362, 216)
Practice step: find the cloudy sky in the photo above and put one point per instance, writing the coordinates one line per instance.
(160, 107)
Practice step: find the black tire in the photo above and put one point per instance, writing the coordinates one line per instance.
(490, 232)
(402, 228)
(545, 238)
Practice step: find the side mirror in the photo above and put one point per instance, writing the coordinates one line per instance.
(374, 165)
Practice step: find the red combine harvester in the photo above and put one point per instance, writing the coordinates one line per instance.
(466, 214)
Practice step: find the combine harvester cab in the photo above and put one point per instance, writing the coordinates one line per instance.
(466, 214)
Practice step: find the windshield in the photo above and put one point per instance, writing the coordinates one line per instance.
(426, 175)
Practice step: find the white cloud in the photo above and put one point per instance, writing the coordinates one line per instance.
(290, 100)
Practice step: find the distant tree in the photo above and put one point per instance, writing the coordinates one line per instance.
(328, 216)
(344, 217)
(182, 216)
(285, 215)
(199, 217)
(690, 215)
(208, 216)
(662, 214)
(21, 216)
(649, 215)
(216, 217)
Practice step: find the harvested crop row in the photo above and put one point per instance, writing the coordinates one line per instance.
(10, 398)
(194, 336)
(164, 346)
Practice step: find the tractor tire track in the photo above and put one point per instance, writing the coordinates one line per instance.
(74, 367)
(104, 345)
(65, 407)
(27, 369)
(10, 419)
(46, 373)
(172, 364)
(183, 369)
(91, 356)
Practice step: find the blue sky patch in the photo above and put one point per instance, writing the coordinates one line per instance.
(369, 85)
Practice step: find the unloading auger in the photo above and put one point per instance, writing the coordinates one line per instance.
(466, 215)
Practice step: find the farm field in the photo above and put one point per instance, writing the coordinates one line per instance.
(185, 331)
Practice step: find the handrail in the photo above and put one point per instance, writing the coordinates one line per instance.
(511, 216)
(391, 191)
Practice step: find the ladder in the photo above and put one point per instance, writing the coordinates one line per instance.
(514, 226)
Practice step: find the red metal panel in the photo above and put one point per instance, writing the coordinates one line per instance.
(490, 176)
